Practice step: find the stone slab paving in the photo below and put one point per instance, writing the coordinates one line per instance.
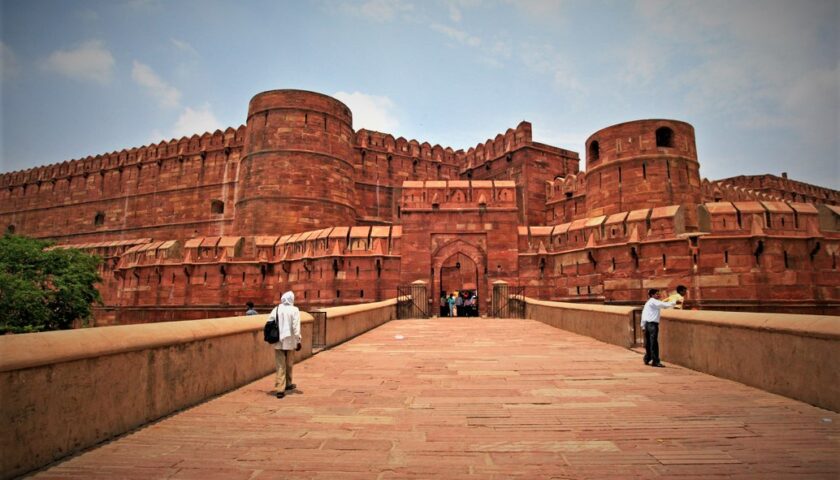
(479, 398)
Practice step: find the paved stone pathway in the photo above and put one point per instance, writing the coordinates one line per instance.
(478, 398)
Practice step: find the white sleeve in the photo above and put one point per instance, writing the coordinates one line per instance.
(296, 325)
(662, 304)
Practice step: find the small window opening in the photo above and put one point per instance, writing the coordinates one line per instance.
(726, 257)
(814, 251)
(663, 260)
(99, 219)
(738, 218)
(217, 207)
(613, 263)
(619, 176)
(361, 294)
(784, 253)
(357, 272)
(767, 219)
(644, 170)
(338, 294)
(305, 294)
(594, 150)
(759, 249)
(664, 137)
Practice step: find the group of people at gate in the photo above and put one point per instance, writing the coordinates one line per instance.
(462, 303)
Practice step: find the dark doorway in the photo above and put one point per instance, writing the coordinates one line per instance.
(459, 276)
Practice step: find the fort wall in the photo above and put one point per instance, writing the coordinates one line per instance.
(176, 188)
(196, 227)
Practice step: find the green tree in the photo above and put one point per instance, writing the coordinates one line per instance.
(44, 289)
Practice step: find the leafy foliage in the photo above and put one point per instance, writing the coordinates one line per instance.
(44, 289)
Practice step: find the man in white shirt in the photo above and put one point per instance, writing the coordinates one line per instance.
(650, 325)
(287, 317)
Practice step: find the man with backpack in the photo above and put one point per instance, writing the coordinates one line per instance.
(287, 316)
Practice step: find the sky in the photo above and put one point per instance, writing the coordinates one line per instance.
(758, 80)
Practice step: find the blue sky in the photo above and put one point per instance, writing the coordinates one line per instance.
(759, 80)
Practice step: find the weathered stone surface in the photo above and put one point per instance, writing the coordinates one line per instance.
(194, 228)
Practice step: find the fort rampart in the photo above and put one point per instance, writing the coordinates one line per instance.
(296, 198)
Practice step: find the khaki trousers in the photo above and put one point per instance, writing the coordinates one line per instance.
(284, 360)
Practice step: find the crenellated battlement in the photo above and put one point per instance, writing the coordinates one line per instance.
(297, 199)
(784, 188)
(459, 195)
(203, 145)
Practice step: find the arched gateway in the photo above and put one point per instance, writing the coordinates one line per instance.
(459, 266)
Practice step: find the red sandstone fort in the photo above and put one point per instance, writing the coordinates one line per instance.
(296, 199)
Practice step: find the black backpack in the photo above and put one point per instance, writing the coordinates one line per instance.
(271, 331)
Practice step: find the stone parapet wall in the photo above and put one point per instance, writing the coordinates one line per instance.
(742, 247)
(791, 355)
(65, 391)
(609, 324)
(344, 323)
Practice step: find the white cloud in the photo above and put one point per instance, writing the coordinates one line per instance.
(9, 67)
(372, 112)
(196, 122)
(544, 10)
(166, 95)
(761, 67)
(814, 100)
(459, 35)
(454, 13)
(545, 60)
(377, 10)
(90, 62)
(184, 46)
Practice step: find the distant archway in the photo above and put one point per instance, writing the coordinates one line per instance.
(458, 265)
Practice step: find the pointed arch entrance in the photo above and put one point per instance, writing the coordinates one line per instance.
(459, 265)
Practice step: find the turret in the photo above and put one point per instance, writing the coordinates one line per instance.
(296, 172)
(642, 164)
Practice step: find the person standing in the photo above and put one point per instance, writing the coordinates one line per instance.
(250, 310)
(679, 297)
(650, 325)
(287, 316)
(451, 302)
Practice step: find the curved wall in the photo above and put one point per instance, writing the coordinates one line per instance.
(296, 172)
(641, 164)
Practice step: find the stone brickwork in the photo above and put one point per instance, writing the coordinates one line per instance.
(296, 199)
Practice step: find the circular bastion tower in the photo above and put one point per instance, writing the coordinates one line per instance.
(296, 172)
(642, 164)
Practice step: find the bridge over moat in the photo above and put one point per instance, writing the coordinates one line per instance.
(479, 398)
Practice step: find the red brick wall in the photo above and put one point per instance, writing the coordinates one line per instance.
(296, 172)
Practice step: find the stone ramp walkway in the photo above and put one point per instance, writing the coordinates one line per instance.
(479, 398)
